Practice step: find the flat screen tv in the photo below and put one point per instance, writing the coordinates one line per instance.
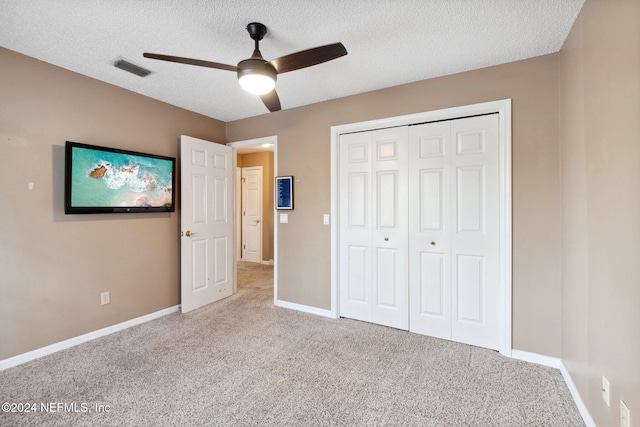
(109, 180)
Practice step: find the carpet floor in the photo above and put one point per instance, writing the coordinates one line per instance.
(243, 362)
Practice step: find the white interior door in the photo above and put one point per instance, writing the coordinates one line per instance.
(252, 214)
(238, 213)
(455, 235)
(374, 236)
(207, 237)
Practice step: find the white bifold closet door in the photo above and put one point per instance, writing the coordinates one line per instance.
(374, 227)
(454, 230)
(419, 229)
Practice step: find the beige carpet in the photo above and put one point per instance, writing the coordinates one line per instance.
(242, 362)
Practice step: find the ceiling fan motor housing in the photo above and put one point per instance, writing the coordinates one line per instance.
(256, 66)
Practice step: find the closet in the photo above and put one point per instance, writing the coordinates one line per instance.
(419, 230)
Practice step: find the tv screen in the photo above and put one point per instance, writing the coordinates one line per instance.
(109, 180)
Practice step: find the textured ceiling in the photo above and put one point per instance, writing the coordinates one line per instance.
(390, 42)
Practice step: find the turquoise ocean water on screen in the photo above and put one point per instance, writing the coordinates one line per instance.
(106, 179)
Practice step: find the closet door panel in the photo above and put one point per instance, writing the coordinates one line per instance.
(356, 296)
(373, 227)
(390, 233)
(454, 230)
(429, 229)
(476, 235)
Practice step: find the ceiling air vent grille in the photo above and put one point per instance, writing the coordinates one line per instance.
(125, 65)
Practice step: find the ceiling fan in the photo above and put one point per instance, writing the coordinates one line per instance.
(257, 75)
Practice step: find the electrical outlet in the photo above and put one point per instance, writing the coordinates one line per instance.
(605, 390)
(625, 415)
(105, 298)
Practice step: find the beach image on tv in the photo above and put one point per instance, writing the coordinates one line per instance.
(106, 179)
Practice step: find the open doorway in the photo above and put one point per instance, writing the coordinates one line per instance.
(256, 229)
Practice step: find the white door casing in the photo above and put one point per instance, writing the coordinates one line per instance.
(252, 214)
(207, 223)
(454, 243)
(374, 247)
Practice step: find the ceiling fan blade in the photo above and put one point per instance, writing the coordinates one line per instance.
(191, 61)
(271, 100)
(309, 57)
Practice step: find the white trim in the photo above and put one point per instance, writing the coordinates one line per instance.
(303, 308)
(504, 129)
(71, 342)
(255, 142)
(252, 143)
(503, 108)
(556, 363)
(552, 362)
(582, 408)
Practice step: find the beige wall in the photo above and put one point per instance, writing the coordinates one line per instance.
(53, 266)
(264, 159)
(600, 164)
(303, 151)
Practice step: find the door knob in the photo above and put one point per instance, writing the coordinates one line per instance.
(386, 239)
(188, 233)
(257, 221)
(433, 243)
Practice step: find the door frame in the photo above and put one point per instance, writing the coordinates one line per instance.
(256, 142)
(503, 108)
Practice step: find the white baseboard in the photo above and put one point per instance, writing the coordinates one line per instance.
(270, 262)
(62, 345)
(304, 308)
(582, 408)
(554, 362)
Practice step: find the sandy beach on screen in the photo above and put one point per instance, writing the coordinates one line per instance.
(139, 199)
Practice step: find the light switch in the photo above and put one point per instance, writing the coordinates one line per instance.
(30, 186)
(325, 219)
(284, 218)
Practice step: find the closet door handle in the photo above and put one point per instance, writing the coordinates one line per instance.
(386, 239)
(433, 243)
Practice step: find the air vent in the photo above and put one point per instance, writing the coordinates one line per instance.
(125, 65)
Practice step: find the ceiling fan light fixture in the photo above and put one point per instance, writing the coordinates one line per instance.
(257, 84)
(256, 76)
